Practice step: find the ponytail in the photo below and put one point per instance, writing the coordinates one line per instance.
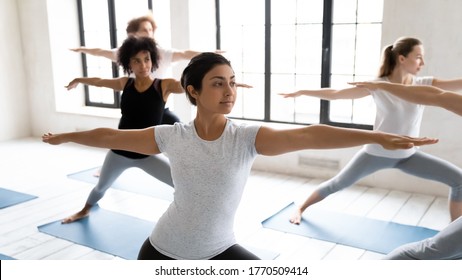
(403, 46)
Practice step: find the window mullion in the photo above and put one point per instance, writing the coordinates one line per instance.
(113, 37)
(267, 111)
(326, 57)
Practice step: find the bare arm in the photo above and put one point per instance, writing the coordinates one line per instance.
(450, 85)
(171, 86)
(274, 142)
(187, 54)
(107, 53)
(419, 94)
(115, 84)
(330, 94)
(243, 85)
(136, 140)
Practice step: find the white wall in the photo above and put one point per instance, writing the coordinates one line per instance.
(14, 104)
(37, 65)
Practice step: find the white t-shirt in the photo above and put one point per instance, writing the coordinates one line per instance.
(395, 115)
(209, 179)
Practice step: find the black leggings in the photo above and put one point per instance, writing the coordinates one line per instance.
(169, 117)
(235, 252)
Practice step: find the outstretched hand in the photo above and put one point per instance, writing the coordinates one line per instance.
(75, 49)
(52, 139)
(243, 85)
(394, 142)
(292, 94)
(72, 84)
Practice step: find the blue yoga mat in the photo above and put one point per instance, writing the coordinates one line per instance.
(114, 233)
(132, 180)
(9, 197)
(355, 231)
(110, 232)
(5, 257)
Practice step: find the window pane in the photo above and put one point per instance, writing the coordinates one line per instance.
(368, 49)
(309, 11)
(283, 12)
(95, 15)
(307, 109)
(243, 39)
(360, 111)
(283, 49)
(242, 12)
(102, 95)
(250, 102)
(97, 35)
(344, 11)
(296, 32)
(282, 109)
(343, 49)
(355, 56)
(370, 11)
(253, 58)
(308, 49)
(125, 11)
(299, 110)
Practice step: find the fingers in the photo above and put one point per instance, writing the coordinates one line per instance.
(46, 137)
(425, 141)
(286, 95)
(243, 85)
(409, 142)
(70, 86)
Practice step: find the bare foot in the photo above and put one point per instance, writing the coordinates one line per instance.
(97, 173)
(77, 216)
(296, 217)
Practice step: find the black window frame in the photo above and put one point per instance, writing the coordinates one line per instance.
(113, 43)
(326, 54)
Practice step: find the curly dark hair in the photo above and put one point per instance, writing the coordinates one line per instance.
(133, 45)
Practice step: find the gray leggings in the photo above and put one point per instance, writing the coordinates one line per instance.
(445, 245)
(419, 164)
(115, 164)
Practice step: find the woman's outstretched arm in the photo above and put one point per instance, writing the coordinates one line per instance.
(420, 94)
(274, 142)
(135, 140)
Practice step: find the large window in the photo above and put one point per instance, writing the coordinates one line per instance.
(274, 45)
(284, 45)
(103, 25)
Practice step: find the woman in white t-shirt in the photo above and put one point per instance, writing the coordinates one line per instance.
(211, 158)
(400, 64)
(446, 244)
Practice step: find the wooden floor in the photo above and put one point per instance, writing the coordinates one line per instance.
(30, 166)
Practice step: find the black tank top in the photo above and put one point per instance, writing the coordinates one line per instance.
(140, 110)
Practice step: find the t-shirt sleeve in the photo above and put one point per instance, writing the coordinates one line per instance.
(165, 55)
(162, 134)
(250, 135)
(427, 80)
